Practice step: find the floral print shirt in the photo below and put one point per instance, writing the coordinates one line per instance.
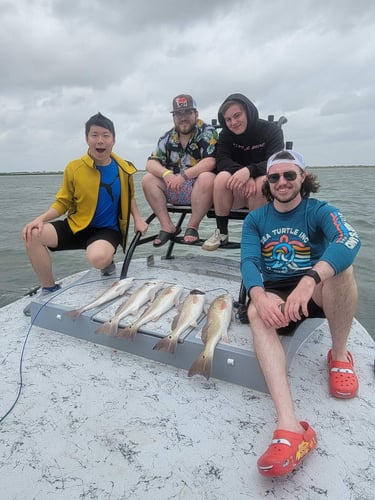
(173, 156)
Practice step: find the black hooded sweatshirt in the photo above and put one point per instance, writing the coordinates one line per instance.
(252, 149)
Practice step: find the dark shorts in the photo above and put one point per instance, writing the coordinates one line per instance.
(67, 240)
(283, 288)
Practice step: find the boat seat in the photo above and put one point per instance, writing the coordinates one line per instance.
(183, 210)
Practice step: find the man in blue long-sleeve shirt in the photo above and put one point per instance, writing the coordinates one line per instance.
(296, 262)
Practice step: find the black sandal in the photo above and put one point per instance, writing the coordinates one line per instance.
(190, 231)
(164, 236)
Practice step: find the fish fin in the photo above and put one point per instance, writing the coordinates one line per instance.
(175, 320)
(201, 366)
(104, 328)
(225, 338)
(168, 344)
(157, 317)
(129, 332)
(204, 334)
(74, 313)
(108, 328)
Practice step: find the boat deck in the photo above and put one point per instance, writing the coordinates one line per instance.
(100, 423)
(105, 418)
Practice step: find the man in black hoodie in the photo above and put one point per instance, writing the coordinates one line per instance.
(245, 144)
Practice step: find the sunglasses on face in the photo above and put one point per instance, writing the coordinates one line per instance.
(290, 175)
(182, 113)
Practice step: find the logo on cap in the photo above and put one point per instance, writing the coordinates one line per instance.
(181, 102)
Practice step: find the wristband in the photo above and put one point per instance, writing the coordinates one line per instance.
(314, 275)
(166, 173)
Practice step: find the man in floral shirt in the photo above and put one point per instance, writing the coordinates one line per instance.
(181, 170)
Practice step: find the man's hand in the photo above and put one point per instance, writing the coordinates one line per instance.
(270, 309)
(34, 224)
(238, 179)
(174, 182)
(298, 299)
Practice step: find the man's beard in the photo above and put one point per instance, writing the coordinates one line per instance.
(286, 200)
(185, 128)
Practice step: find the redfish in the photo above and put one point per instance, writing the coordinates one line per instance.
(215, 329)
(163, 302)
(116, 290)
(131, 306)
(192, 308)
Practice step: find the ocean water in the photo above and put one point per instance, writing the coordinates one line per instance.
(23, 197)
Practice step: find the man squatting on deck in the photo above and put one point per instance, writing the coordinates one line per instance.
(97, 194)
(296, 262)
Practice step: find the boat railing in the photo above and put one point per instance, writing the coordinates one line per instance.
(182, 210)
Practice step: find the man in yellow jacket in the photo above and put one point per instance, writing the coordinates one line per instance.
(97, 195)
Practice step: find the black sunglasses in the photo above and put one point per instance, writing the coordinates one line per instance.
(290, 175)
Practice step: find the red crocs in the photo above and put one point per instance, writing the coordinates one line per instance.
(343, 381)
(286, 451)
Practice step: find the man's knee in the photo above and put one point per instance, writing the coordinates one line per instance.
(100, 257)
(47, 237)
(34, 238)
(221, 179)
(345, 278)
(152, 184)
(147, 180)
(204, 181)
(252, 313)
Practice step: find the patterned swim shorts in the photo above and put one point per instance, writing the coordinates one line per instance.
(183, 196)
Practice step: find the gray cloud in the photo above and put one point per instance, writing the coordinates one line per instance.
(62, 61)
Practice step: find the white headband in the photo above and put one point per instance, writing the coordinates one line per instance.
(297, 159)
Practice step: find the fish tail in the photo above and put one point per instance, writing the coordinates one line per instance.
(108, 328)
(129, 332)
(74, 314)
(167, 344)
(201, 366)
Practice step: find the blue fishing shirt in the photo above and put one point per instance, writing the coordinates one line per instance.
(279, 245)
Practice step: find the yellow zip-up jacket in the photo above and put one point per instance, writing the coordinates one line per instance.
(78, 195)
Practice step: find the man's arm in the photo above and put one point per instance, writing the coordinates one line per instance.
(273, 137)
(224, 153)
(155, 167)
(139, 223)
(250, 254)
(205, 165)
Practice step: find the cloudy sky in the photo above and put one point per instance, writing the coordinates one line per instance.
(62, 61)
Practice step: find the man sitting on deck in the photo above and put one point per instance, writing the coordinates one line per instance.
(296, 262)
(180, 170)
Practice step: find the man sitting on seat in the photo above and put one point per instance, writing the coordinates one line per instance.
(245, 144)
(180, 170)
